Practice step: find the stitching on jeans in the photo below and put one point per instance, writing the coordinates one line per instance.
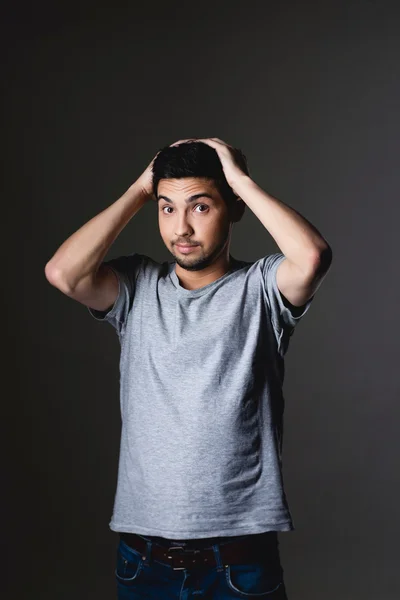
(246, 594)
(129, 579)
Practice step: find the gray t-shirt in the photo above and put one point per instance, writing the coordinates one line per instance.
(201, 374)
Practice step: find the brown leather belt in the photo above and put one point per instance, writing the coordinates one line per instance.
(260, 547)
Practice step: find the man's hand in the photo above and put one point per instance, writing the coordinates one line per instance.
(225, 153)
(145, 181)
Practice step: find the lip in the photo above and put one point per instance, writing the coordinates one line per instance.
(186, 247)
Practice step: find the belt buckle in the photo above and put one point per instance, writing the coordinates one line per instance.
(172, 548)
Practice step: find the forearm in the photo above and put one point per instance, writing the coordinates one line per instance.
(296, 237)
(82, 253)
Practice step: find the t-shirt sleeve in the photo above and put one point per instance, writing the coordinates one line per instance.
(284, 319)
(127, 269)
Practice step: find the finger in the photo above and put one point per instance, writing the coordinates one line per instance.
(220, 141)
(182, 141)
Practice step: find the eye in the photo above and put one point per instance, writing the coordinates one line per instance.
(168, 206)
(204, 205)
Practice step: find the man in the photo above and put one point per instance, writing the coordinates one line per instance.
(200, 494)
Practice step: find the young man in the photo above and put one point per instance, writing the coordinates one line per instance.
(200, 494)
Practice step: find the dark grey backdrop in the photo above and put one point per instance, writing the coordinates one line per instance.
(310, 92)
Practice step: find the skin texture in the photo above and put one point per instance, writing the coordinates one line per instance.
(204, 221)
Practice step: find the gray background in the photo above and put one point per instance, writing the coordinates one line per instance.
(310, 92)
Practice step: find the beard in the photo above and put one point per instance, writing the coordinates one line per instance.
(197, 263)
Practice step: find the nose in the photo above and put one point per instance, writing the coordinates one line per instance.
(183, 227)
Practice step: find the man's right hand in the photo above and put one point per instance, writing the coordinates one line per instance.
(146, 181)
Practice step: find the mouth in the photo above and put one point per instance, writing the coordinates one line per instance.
(186, 247)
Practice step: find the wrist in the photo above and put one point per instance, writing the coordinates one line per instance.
(240, 182)
(138, 190)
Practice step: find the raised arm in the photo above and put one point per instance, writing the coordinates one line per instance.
(76, 268)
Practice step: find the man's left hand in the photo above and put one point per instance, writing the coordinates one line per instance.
(231, 170)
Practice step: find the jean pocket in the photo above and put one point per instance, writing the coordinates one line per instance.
(129, 564)
(253, 580)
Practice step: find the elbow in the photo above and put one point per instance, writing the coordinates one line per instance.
(323, 259)
(326, 257)
(56, 279)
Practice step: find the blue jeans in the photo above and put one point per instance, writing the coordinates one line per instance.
(140, 578)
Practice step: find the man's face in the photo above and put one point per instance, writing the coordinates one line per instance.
(203, 221)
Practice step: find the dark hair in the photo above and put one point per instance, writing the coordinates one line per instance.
(197, 159)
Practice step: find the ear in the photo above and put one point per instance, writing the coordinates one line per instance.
(237, 210)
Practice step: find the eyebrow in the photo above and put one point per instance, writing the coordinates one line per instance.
(190, 199)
